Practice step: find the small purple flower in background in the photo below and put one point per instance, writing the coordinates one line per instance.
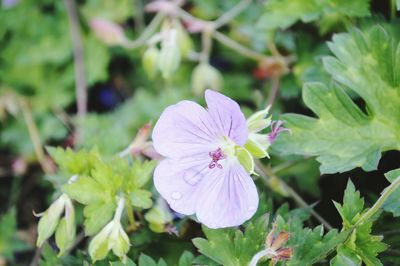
(201, 173)
(276, 128)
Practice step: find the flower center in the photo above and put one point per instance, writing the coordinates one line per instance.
(215, 157)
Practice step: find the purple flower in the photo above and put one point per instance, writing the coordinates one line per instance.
(201, 174)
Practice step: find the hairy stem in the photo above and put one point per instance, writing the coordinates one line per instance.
(131, 217)
(80, 79)
(147, 33)
(275, 83)
(228, 16)
(34, 135)
(265, 174)
(243, 50)
(378, 204)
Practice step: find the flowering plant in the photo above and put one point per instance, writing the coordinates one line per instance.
(172, 132)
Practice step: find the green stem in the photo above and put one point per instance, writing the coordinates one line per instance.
(393, 9)
(131, 217)
(147, 33)
(378, 204)
(265, 174)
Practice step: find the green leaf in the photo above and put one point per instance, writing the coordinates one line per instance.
(97, 215)
(129, 262)
(233, 247)
(361, 243)
(311, 245)
(86, 190)
(352, 206)
(186, 259)
(284, 13)
(145, 260)
(345, 257)
(392, 204)
(343, 136)
(73, 162)
(9, 242)
(141, 198)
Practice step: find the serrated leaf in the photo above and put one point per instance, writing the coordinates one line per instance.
(344, 137)
(345, 257)
(233, 247)
(311, 245)
(284, 13)
(141, 198)
(97, 215)
(86, 190)
(392, 203)
(352, 206)
(361, 243)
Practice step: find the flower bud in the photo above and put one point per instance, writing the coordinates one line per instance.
(185, 42)
(49, 220)
(150, 61)
(107, 31)
(170, 57)
(66, 231)
(204, 77)
(111, 237)
(119, 241)
(258, 121)
(98, 247)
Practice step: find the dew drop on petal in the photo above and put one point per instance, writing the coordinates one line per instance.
(176, 195)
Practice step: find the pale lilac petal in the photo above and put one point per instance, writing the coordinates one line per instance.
(228, 197)
(227, 117)
(184, 129)
(177, 180)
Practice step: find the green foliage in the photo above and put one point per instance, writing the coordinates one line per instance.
(361, 245)
(392, 204)
(97, 182)
(284, 13)
(344, 137)
(9, 242)
(233, 247)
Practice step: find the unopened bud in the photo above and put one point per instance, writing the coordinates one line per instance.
(150, 61)
(111, 237)
(159, 217)
(49, 220)
(185, 42)
(245, 159)
(107, 31)
(205, 77)
(170, 56)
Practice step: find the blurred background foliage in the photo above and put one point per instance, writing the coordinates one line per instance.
(37, 93)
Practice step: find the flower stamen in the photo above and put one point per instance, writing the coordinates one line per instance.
(215, 157)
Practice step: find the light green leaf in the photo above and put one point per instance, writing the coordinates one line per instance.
(86, 190)
(344, 137)
(141, 198)
(97, 215)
